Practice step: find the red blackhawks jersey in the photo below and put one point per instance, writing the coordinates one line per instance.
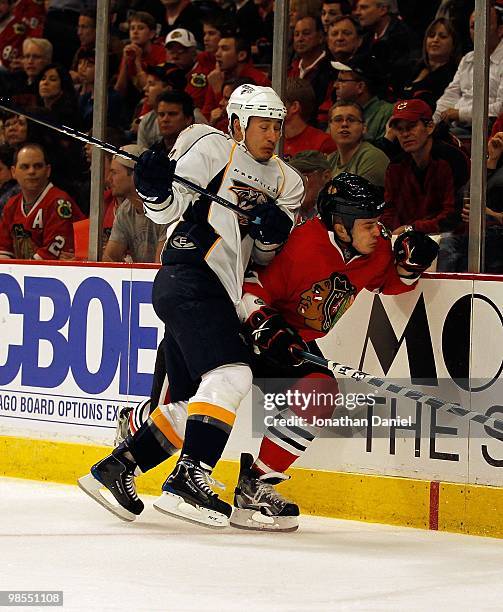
(312, 286)
(12, 33)
(32, 14)
(44, 232)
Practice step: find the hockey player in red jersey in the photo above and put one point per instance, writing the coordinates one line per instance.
(37, 223)
(298, 298)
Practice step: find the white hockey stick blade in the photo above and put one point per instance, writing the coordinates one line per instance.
(177, 507)
(400, 390)
(254, 520)
(92, 487)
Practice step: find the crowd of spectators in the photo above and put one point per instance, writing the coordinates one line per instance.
(379, 88)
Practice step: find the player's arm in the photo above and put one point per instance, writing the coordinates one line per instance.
(414, 252)
(163, 199)
(264, 327)
(277, 222)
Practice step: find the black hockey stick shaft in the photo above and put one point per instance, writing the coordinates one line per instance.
(109, 148)
(406, 392)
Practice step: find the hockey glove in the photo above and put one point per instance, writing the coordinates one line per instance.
(153, 176)
(415, 251)
(272, 338)
(274, 226)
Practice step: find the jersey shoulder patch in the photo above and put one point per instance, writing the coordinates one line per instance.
(64, 209)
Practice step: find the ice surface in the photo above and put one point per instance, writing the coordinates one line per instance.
(53, 537)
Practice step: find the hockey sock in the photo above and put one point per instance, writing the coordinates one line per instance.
(292, 432)
(207, 431)
(272, 458)
(154, 442)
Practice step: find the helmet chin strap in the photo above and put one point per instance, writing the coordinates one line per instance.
(347, 248)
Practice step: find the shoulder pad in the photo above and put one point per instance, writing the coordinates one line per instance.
(192, 134)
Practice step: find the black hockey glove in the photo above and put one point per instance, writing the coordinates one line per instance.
(415, 251)
(153, 177)
(272, 338)
(274, 227)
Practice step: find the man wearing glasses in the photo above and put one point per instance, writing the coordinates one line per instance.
(354, 155)
(360, 80)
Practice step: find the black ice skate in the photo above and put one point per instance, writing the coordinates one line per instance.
(258, 506)
(187, 494)
(115, 473)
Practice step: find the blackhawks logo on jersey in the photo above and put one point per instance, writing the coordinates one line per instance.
(247, 198)
(199, 80)
(22, 242)
(64, 209)
(324, 303)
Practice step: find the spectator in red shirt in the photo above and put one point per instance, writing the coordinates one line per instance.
(139, 53)
(215, 26)
(422, 186)
(12, 33)
(37, 222)
(218, 116)
(233, 60)
(181, 48)
(300, 103)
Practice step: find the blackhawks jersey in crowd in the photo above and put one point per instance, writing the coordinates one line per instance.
(216, 162)
(312, 286)
(44, 231)
(12, 33)
(32, 14)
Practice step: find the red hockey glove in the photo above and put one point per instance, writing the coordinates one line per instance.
(415, 251)
(271, 337)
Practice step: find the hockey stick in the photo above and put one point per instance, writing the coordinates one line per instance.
(109, 148)
(400, 390)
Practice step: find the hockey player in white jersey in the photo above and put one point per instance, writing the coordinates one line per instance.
(197, 291)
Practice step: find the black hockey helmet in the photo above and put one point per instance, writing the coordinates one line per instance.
(349, 197)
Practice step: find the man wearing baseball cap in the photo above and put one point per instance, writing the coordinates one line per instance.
(422, 186)
(360, 80)
(133, 234)
(315, 170)
(182, 51)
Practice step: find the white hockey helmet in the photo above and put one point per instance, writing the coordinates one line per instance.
(254, 101)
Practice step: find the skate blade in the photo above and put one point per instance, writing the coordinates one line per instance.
(256, 521)
(176, 506)
(91, 486)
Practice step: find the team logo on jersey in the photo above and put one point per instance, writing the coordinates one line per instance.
(324, 303)
(19, 28)
(199, 80)
(64, 209)
(23, 245)
(181, 242)
(247, 198)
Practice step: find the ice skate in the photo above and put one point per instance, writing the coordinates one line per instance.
(258, 506)
(187, 495)
(115, 473)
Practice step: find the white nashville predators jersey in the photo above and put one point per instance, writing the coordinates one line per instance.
(216, 162)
